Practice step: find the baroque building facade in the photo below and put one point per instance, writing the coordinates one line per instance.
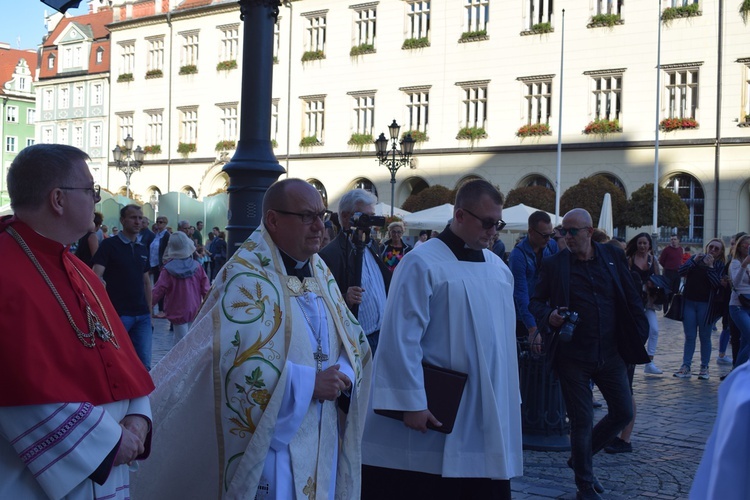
(477, 82)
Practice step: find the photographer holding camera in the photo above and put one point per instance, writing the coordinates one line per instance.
(592, 281)
(352, 256)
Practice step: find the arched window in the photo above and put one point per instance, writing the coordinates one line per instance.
(691, 192)
(190, 192)
(366, 184)
(614, 180)
(537, 180)
(319, 187)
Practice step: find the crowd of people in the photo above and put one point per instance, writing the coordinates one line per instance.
(352, 369)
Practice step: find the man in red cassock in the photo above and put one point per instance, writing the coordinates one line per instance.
(74, 411)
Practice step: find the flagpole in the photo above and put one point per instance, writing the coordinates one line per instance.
(655, 230)
(558, 182)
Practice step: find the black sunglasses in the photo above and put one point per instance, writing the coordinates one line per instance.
(572, 230)
(486, 223)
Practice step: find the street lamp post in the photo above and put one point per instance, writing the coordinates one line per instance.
(128, 161)
(388, 158)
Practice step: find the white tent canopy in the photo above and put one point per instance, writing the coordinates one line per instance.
(517, 217)
(384, 209)
(5, 210)
(605, 218)
(432, 218)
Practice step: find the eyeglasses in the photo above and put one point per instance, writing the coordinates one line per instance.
(308, 217)
(572, 230)
(543, 235)
(486, 223)
(95, 190)
(714, 247)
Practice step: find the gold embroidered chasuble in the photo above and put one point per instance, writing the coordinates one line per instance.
(252, 326)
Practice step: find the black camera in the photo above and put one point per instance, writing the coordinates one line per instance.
(365, 221)
(570, 321)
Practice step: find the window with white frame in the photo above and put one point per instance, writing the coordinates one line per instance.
(682, 3)
(155, 53)
(418, 108)
(48, 99)
(314, 117)
(22, 83)
(682, 92)
(11, 114)
(538, 99)
(363, 112)
(230, 42)
(276, 39)
(62, 134)
(78, 96)
(31, 116)
(11, 144)
(189, 125)
(364, 24)
(127, 57)
(97, 94)
(124, 127)
(99, 55)
(67, 60)
(51, 61)
(538, 12)
(189, 50)
(608, 7)
(63, 98)
(96, 135)
(47, 135)
(476, 15)
(746, 93)
(78, 136)
(606, 94)
(228, 121)
(315, 32)
(474, 104)
(418, 19)
(154, 126)
(30, 142)
(78, 56)
(274, 119)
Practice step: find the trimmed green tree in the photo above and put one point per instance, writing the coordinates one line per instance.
(433, 196)
(538, 197)
(589, 195)
(640, 208)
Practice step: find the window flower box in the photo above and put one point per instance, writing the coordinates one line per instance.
(188, 69)
(602, 127)
(225, 145)
(186, 147)
(125, 77)
(152, 150)
(470, 133)
(535, 129)
(745, 10)
(417, 43)
(310, 141)
(689, 10)
(361, 49)
(670, 124)
(154, 73)
(313, 55)
(605, 20)
(360, 140)
(226, 65)
(417, 135)
(274, 144)
(473, 36)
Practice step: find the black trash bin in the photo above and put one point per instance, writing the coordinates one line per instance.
(543, 417)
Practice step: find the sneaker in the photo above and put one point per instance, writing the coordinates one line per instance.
(683, 372)
(724, 360)
(703, 374)
(617, 445)
(652, 369)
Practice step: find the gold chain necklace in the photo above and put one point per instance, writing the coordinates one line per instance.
(96, 327)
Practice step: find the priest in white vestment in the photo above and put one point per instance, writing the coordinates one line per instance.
(451, 305)
(249, 404)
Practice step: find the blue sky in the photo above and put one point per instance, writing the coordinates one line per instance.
(25, 19)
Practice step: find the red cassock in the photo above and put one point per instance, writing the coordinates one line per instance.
(41, 358)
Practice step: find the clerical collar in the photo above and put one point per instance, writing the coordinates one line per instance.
(459, 248)
(295, 267)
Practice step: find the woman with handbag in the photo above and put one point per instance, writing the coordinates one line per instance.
(702, 273)
(642, 263)
(739, 303)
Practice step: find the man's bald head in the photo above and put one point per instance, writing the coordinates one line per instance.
(276, 196)
(581, 217)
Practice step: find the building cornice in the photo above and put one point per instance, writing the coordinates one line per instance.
(173, 16)
(605, 72)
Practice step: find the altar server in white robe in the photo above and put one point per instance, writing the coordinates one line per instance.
(451, 305)
(248, 402)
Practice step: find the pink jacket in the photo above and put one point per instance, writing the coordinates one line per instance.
(182, 296)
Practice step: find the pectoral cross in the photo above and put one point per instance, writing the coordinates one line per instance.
(320, 356)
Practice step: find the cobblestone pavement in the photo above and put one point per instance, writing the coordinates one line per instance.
(674, 419)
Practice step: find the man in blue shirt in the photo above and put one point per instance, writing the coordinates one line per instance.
(122, 263)
(524, 263)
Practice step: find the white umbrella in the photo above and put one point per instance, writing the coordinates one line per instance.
(384, 209)
(605, 218)
(517, 217)
(6, 210)
(432, 218)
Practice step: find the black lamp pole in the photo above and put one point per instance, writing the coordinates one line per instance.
(393, 163)
(253, 168)
(128, 160)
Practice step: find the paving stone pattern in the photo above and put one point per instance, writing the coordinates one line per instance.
(674, 419)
